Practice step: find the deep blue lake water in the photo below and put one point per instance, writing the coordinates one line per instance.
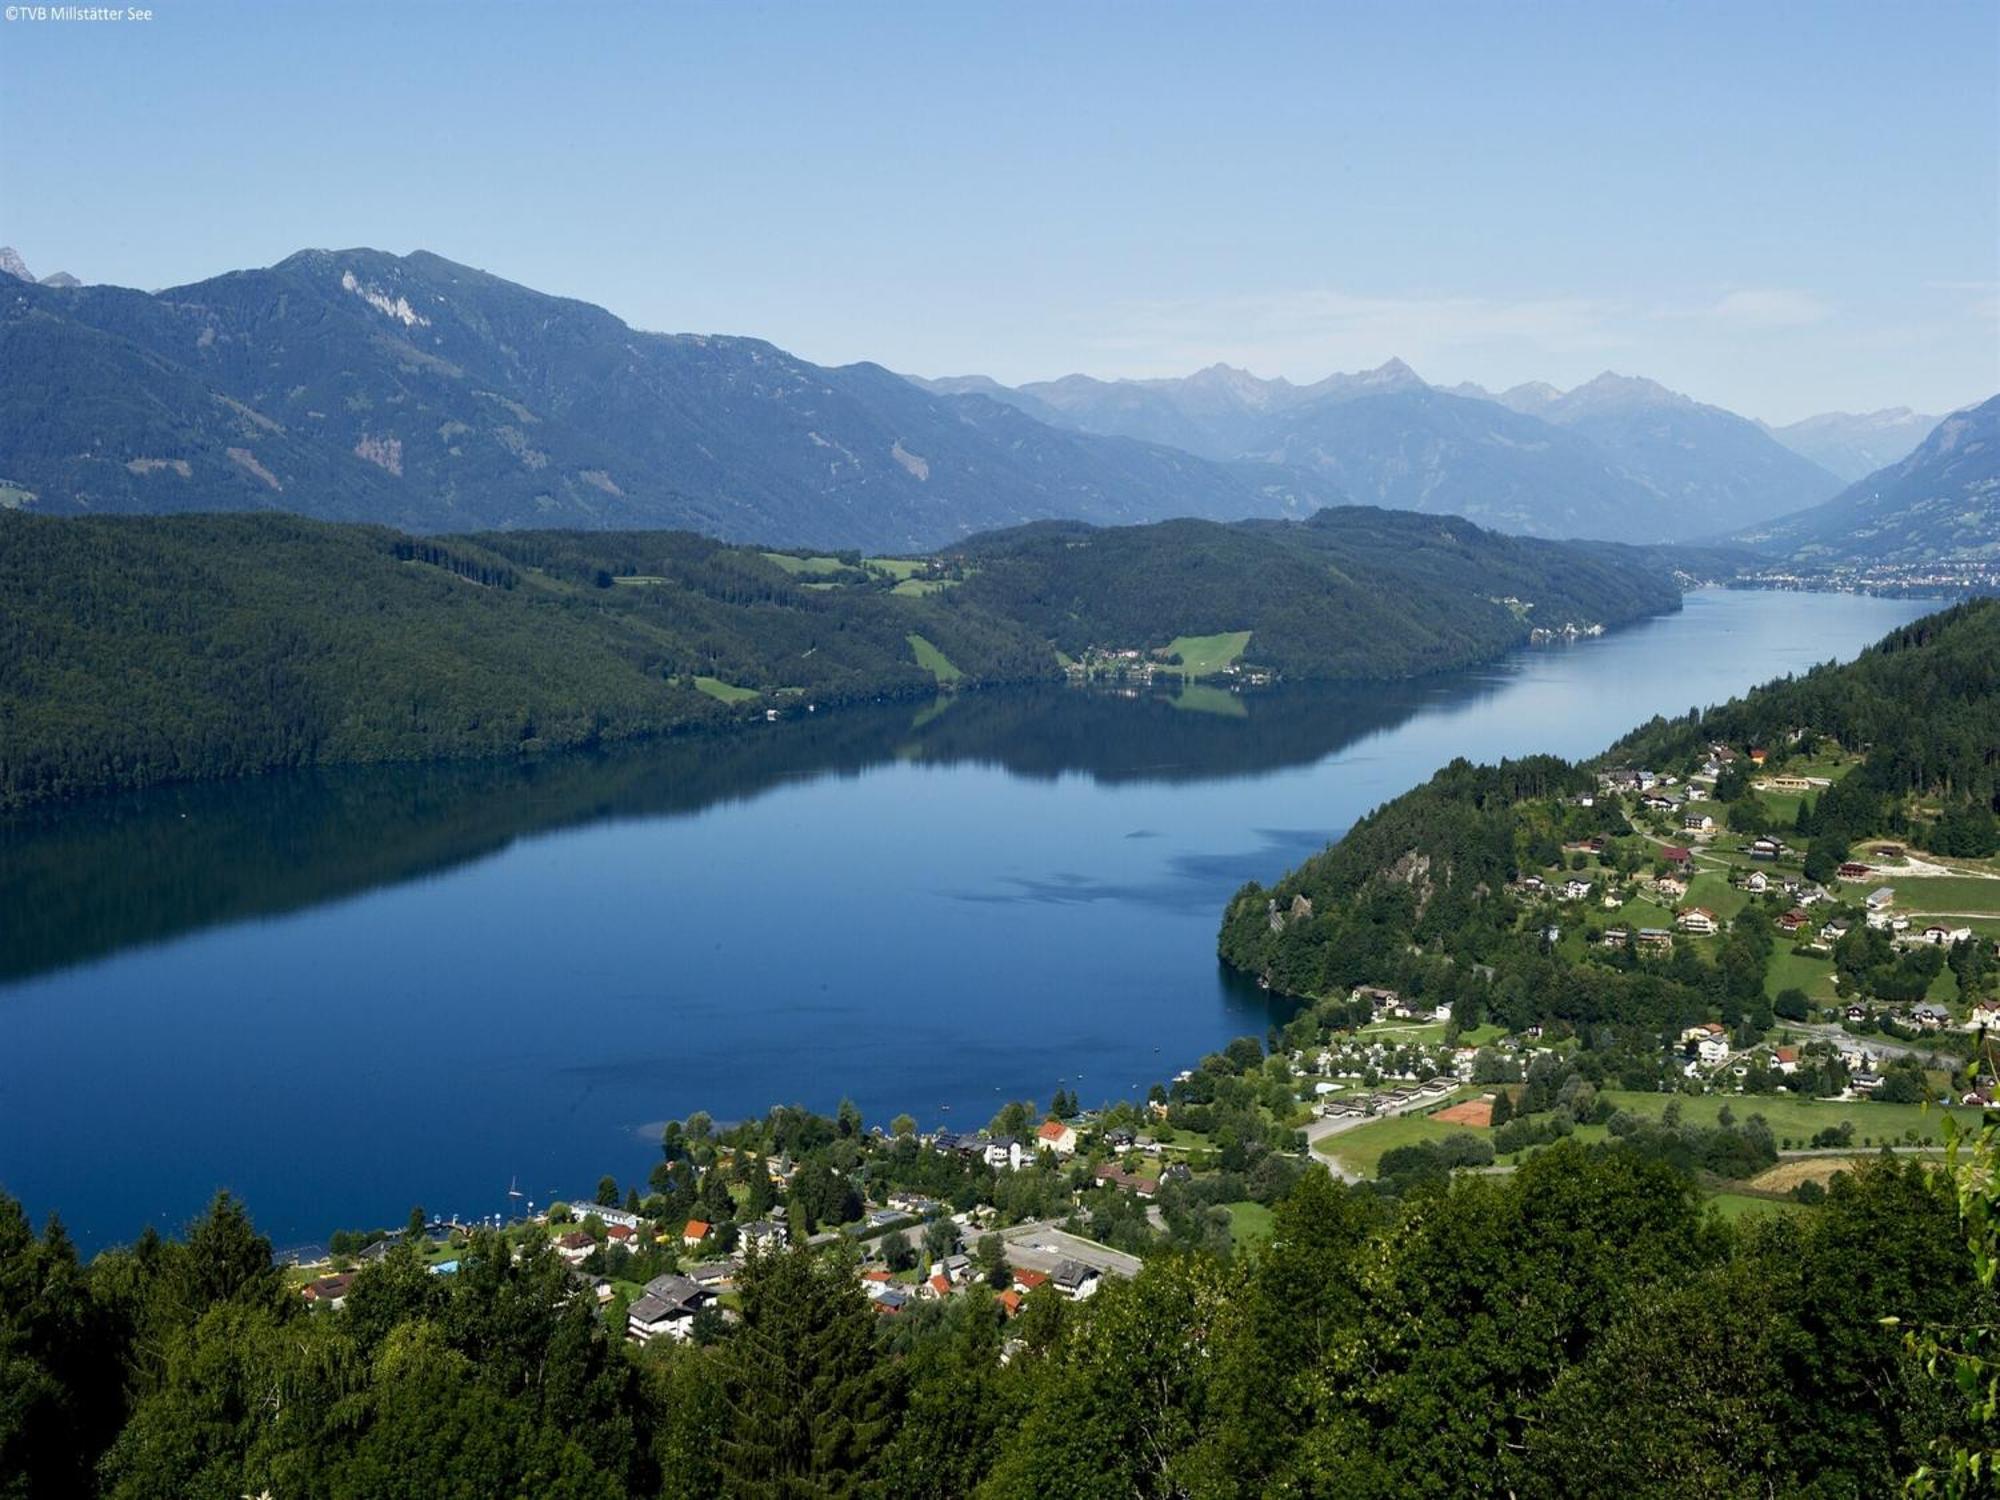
(342, 994)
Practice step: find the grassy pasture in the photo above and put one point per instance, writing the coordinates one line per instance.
(933, 660)
(724, 692)
(1205, 655)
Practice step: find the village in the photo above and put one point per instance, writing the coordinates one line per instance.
(1046, 1205)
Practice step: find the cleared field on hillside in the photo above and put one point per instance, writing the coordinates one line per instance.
(1202, 655)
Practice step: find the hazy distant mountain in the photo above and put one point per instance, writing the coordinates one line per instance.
(1220, 412)
(356, 385)
(60, 279)
(1942, 503)
(1709, 468)
(1613, 458)
(1429, 451)
(1852, 445)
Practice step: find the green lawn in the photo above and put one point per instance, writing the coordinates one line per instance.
(1944, 893)
(724, 692)
(1791, 970)
(933, 660)
(1480, 1036)
(896, 567)
(1797, 1118)
(918, 588)
(1203, 655)
(1713, 890)
(1249, 1223)
(1361, 1148)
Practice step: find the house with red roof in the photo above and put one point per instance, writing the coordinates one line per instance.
(696, 1234)
(1057, 1137)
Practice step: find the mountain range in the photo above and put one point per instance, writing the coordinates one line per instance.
(1617, 457)
(357, 385)
(419, 393)
(1854, 445)
(1941, 504)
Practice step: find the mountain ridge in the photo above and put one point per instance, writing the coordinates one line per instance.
(414, 391)
(1617, 457)
(1940, 504)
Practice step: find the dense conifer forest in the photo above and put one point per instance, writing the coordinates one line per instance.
(142, 650)
(1580, 1327)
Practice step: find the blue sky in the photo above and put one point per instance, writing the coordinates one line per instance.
(1780, 208)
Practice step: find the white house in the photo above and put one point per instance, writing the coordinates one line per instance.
(1712, 1050)
(1698, 919)
(1057, 1137)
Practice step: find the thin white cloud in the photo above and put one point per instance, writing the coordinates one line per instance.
(1767, 307)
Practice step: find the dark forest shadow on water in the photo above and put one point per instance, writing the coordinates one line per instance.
(91, 879)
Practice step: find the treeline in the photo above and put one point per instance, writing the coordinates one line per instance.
(1580, 1327)
(141, 650)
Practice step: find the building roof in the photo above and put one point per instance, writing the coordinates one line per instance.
(1052, 1130)
(696, 1229)
(1071, 1274)
(1030, 1279)
(675, 1291)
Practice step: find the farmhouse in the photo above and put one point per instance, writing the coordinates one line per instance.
(1695, 919)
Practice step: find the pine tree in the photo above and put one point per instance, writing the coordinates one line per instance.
(805, 1388)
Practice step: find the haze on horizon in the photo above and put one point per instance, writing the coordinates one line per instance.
(1778, 211)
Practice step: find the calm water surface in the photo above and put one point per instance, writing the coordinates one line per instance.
(342, 994)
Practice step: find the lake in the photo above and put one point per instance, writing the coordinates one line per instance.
(343, 993)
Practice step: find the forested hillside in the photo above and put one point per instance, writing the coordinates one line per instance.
(141, 650)
(1414, 894)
